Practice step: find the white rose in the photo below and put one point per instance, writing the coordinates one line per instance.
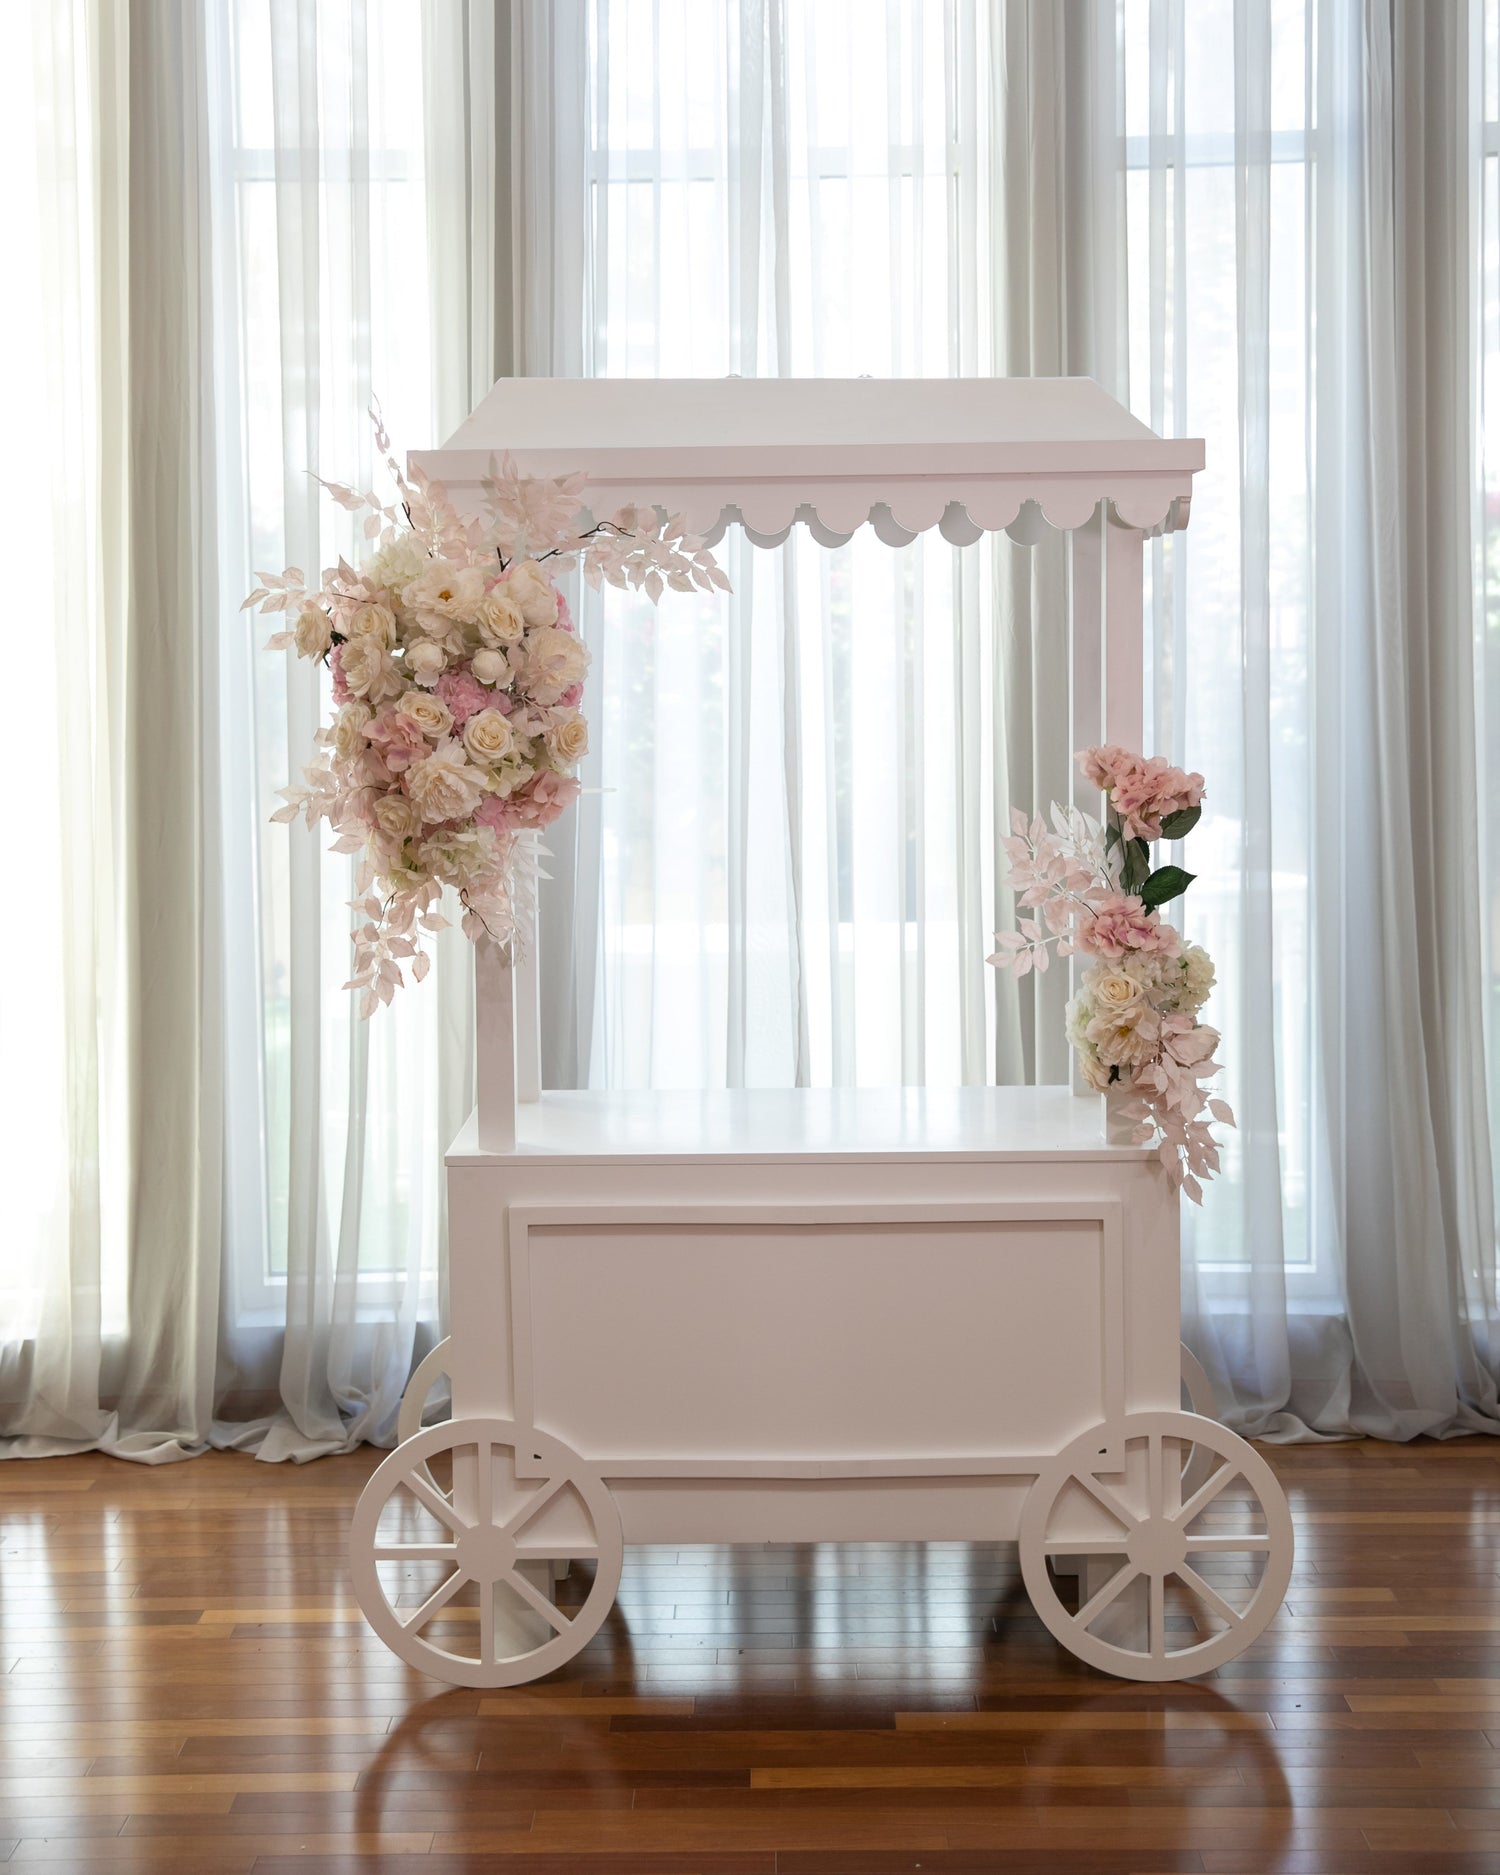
(488, 737)
(427, 660)
(372, 620)
(501, 621)
(446, 591)
(490, 666)
(349, 730)
(532, 593)
(568, 740)
(312, 634)
(396, 816)
(431, 715)
(369, 670)
(1093, 1070)
(554, 661)
(445, 786)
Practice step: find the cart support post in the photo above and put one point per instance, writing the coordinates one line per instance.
(495, 1036)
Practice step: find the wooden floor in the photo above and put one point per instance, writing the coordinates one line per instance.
(188, 1687)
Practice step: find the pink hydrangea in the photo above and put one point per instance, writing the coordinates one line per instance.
(496, 813)
(1121, 923)
(399, 739)
(462, 691)
(1143, 792)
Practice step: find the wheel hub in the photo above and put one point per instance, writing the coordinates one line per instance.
(1157, 1546)
(485, 1554)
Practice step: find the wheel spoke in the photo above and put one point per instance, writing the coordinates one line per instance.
(563, 1551)
(1097, 1603)
(432, 1499)
(439, 1598)
(537, 1502)
(534, 1598)
(1207, 1492)
(1210, 1597)
(1228, 1545)
(416, 1552)
(487, 1623)
(1156, 1618)
(1121, 1512)
(1095, 1546)
(1155, 1487)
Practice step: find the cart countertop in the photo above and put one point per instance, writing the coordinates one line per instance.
(958, 1123)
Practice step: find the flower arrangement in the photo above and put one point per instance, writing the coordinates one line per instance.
(457, 677)
(1134, 1022)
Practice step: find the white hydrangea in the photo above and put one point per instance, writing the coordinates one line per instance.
(397, 563)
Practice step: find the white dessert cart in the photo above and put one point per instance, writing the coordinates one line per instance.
(821, 1315)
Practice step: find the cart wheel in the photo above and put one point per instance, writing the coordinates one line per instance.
(1155, 1533)
(432, 1368)
(520, 1500)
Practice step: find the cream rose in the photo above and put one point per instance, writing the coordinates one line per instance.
(372, 620)
(349, 727)
(490, 666)
(532, 594)
(567, 740)
(312, 634)
(500, 619)
(427, 660)
(396, 817)
(447, 591)
(554, 661)
(1115, 996)
(369, 670)
(430, 714)
(445, 786)
(488, 737)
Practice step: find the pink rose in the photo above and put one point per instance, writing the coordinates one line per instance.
(341, 690)
(573, 696)
(463, 693)
(1121, 923)
(399, 738)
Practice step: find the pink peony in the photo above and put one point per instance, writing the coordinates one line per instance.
(399, 739)
(1121, 923)
(463, 693)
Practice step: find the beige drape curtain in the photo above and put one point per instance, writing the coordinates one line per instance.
(126, 1266)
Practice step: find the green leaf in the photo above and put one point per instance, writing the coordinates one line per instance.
(1166, 883)
(1179, 825)
(1136, 865)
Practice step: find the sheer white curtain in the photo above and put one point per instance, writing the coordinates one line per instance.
(1298, 238)
(352, 263)
(1266, 244)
